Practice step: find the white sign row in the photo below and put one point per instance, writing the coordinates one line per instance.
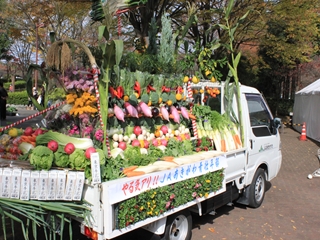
(41, 185)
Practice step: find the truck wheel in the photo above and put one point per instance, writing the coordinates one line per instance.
(178, 226)
(257, 189)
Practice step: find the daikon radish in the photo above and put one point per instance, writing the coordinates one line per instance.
(175, 113)
(145, 109)
(131, 110)
(164, 113)
(156, 166)
(184, 112)
(118, 112)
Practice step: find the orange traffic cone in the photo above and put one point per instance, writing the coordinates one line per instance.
(303, 136)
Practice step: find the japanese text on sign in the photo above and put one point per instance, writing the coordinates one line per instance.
(134, 187)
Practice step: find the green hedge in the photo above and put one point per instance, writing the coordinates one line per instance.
(18, 98)
(280, 106)
(18, 85)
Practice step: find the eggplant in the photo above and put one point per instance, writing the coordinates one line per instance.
(177, 106)
(155, 112)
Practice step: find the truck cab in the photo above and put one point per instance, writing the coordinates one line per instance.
(261, 141)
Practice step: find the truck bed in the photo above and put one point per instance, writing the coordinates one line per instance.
(106, 196)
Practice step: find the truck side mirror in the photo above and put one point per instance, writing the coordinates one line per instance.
(275, 124)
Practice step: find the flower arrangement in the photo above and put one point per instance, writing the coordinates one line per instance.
(155, 202)
(79, 116)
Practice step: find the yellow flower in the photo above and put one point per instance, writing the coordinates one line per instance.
(71, 97)
(141, 208)
(206, 195)
(13, 132)
(208, 181)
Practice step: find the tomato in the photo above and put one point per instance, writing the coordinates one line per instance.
(89, 151)
(28, 131)
(53, 145)
(69, 148)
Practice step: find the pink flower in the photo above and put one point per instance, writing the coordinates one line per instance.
(88, 130)
(194, 194)
(168, 204)
(99, 135)
(172, 196)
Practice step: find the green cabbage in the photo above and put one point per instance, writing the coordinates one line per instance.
(61, 158)
(78, 160)
(41, 158)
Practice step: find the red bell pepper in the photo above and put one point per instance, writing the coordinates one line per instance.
(150, 88)
(137, 87)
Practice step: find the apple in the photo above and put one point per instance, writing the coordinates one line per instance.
(38, 131)
(164, 129)
(69, 148)
(187, 136)
(146, 144)
(135, 143)
(137, 130)
(122, 145)
(164, 142)
(89, 151)
(53, 145)
(28, 131)
(179, 138)
(155, 142)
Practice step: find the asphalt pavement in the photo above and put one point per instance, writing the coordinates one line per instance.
(23, 118)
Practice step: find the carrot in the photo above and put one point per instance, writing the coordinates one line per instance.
(237, 141)
(134, 173)
(193, 117)
(129, 169)
(33, 138)
(168, 158)
(223, 145)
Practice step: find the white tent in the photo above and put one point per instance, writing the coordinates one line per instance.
(306, 110)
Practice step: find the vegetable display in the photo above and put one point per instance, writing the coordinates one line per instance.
(115, 123)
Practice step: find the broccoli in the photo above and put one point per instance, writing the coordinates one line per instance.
(41, 158)
(77, 160)
(61, 158)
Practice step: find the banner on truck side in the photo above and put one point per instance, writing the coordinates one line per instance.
(130, 187)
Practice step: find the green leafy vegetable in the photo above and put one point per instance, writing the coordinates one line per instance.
(61, 158)
(102, 156)
(177, 148)
(41, 158)
(78, 160)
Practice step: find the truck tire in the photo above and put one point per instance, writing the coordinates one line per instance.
(257, 189)
(178, 226)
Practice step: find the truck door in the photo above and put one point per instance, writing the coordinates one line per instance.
(264, 139)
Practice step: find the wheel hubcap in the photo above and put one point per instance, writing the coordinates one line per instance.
(259, 189)
(179, 228)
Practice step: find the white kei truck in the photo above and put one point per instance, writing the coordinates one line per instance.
(246, 171)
